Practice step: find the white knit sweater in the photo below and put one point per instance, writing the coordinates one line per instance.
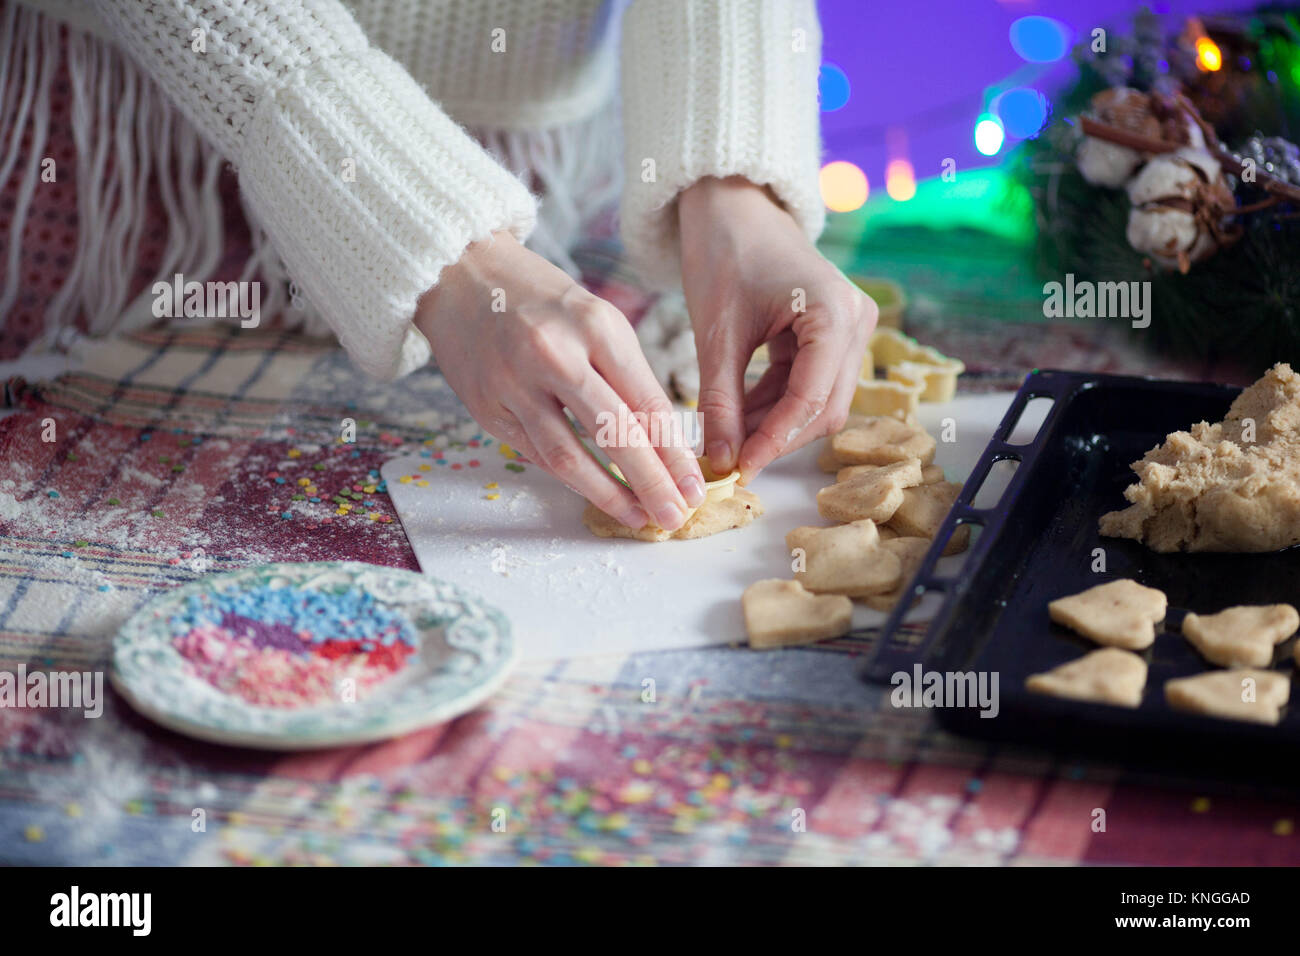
(343, 118)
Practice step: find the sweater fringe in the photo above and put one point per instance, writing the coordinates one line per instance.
(117, 110)
(577, 172)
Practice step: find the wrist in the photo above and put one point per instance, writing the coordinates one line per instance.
(733, 205)
(476, 265)
(711, 192)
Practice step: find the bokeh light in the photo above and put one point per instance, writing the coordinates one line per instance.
(900, 180)
(1021, 111)
(989, 135)
(833, 87)
(844, 186)
(1209, 58)
(1040, 39)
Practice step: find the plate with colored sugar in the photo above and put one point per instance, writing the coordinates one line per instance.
(300, 656)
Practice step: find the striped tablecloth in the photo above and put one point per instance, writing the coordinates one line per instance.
(164, 443)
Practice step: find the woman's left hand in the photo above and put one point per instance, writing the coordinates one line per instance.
(751, 276)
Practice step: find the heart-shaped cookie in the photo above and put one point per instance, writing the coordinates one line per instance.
(875, 494)
(1242, 694)
(930, 474)
(1107, 675)
(846, 559)
(882, 440)
(1119, 613)
(921, 513)
(910, 552)
(779, 612)
(1241, 636)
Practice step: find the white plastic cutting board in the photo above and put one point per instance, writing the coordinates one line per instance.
(568, 593)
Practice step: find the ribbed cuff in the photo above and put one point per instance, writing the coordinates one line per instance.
(369, 190)
(716, 88)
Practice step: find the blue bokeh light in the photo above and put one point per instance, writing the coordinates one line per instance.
(1040, 39)
(833, 86)
(1023, 112)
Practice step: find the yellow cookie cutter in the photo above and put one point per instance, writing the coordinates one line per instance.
(718, 488)
(905, 360)
(914, 373)
(878, 396)
(715, 488)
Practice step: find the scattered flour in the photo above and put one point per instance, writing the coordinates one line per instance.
(131, 473)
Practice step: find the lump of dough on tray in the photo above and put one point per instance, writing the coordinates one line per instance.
(1230, 486)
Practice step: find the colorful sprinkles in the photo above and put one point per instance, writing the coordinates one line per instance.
(289, 647)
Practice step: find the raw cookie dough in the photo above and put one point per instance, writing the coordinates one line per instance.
(845, 559)
(1107, 675)
(923, 510)
(713, 516)
(1221, 693)
(910, 552)
(781, 612)
(1241, 636)
(875, 494)
(827, 460)
(882, 440)
(929, 474)
(1213, 489)
(1119, 613)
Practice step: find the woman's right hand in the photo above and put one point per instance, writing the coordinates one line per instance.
(518, 341)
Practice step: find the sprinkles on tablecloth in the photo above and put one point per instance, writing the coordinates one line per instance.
(514, 462)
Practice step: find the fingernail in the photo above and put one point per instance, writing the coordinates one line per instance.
(692, 490)
(669, 517)
(636, 518)
(720, 457)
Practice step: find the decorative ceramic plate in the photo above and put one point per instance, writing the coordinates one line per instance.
(295, 656)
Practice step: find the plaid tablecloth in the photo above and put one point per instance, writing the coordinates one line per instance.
(164, 444)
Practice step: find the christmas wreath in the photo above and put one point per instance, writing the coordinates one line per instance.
(1139, 182)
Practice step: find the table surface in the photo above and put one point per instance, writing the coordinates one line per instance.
(168, 444)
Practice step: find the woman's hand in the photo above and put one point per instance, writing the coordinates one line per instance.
(519, 341)
(751, 276)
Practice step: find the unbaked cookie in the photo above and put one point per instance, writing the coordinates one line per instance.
(1244, 694)
(1107, 675)
(929, 473)
(882, 440)
(827, 460)
(845, 559)
(922, 512)
(1241, 636)
(1119, 613)
(712, 517)
(911, 552)
(874, 494)
(782, 612)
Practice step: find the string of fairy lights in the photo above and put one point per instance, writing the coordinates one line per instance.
(1012, 110)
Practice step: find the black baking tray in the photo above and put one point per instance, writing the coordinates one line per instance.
(1036, 543)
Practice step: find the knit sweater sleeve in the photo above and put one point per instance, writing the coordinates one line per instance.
(366, 188)
(716, 88)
